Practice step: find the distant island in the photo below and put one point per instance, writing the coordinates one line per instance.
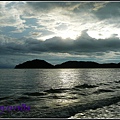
(35, 64)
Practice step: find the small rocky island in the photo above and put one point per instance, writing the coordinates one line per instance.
(69, 64)
(35, 64)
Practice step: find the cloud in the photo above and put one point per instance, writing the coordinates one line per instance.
(57, 50)
(49, 6)
(99, 5)
(110, 10)
(60, 16)
(82, 45)
(10, 15)
(57, 17)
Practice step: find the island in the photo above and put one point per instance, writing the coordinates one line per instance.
(34, 64)
(86, 64)
(69, 64)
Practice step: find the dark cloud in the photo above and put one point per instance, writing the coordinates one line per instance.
(111, 10)
(47, 6)
(84, 44)
(84, 7)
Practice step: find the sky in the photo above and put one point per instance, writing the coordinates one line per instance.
(59, 31)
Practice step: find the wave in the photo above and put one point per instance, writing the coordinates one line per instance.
(45, 92)
(75, 89)
(35, 94)
(4, 98)
(66, 112)
(61, 90)
(22, 98)
(102, 91)
(85, 86)
(117, 81)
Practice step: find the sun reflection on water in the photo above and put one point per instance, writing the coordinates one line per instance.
(68, 77)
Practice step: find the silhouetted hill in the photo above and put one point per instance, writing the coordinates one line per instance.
(35, 64)
(78, 64)
(86, 64)
(69, 64)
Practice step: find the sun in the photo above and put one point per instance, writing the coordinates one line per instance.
(68, 34)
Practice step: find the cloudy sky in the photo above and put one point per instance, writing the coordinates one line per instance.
(59, 31)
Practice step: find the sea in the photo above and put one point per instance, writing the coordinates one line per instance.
(61, 93)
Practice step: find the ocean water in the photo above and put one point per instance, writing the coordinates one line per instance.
(61, 93)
